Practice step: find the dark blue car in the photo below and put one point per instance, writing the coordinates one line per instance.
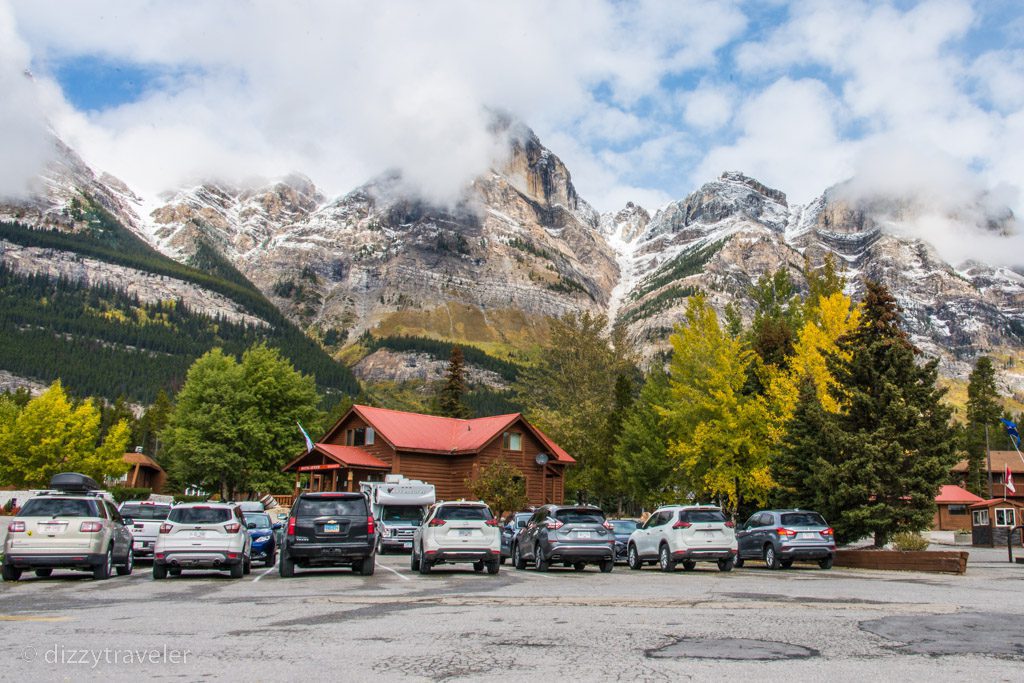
(264, 537)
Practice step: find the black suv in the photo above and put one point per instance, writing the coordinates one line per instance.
(329, 529)
(575, 535)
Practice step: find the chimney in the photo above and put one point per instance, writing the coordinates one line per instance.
(138, 449)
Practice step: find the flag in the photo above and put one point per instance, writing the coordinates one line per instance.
(1008, 480)
(309, 441)
(1011, 429)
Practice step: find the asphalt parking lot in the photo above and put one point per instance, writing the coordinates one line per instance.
(453, 625)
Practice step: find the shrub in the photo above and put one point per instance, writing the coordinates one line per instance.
(909, 541)
(182, 498)
(123, 493)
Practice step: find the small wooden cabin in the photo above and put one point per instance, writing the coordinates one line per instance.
(367, 443)
(992, 520)
(952, 509)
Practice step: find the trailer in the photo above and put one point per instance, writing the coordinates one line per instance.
(399, 506)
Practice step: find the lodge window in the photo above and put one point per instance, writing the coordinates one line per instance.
(958, 509)
(369, 436)
(360, 436)
(512, 441)
(981, 518)
(1005, 517)
(348, 437)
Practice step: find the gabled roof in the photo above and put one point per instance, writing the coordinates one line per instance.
(1000, 459)
(420, 433)
(351, 456)
(133, 458)
(993, 501)
(955, 494)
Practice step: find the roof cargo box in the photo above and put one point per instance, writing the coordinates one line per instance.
(72, 481)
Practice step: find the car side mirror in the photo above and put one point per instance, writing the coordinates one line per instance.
(127, 521)
(278, 525)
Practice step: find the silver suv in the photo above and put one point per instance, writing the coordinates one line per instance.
(781, 536)
(70, 527)
(147, 516)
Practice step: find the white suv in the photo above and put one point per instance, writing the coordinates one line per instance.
(458, 531)
(146, 516)
(683, 533)
(203, 536)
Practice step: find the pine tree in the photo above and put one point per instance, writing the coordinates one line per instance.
(893, 442)
(450, 398)
(641, 461)
(983, 409)
(802, 466)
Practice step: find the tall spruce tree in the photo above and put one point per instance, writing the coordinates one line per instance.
(802, 466)
(641, 462)
(894, 445)
(983, 409)
(449, 398)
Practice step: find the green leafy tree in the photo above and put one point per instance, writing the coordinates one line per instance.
(501, 486)
(51, 435)
(233, 427)
(983, 409)
(893, 443)
(642, 463)
(450, 397)
(570, 393)
(151, 424)
(777, 317)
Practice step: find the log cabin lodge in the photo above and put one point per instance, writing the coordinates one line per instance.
(368, 443)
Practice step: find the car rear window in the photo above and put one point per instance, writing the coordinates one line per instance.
(200, 515)
(260, 519)
(59, 507)
(802, 519)
(571, 516)
(701, 516)
(464, 512)
(145, 511)
(328, 507)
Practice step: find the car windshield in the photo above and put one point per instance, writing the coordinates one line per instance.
(158, 512)
(701, 516)
(802, 519)
(576, 516)
(409, 514)
(199, 515)
(624, 526)
(330, 507)
(261, 520)
(59, 507)
(463, 512)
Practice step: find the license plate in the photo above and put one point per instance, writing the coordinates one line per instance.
(332, 528)
(407, 545)
(463, 532)
(583, 534)
(807, 534)
(51, 528)
(197, 534)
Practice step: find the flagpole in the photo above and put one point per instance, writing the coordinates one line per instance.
(988, 450)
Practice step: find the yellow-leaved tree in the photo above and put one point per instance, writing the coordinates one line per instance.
(722, 437)
(50, 435)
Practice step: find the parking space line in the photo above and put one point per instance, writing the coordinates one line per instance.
(263, 574)
(402, 577)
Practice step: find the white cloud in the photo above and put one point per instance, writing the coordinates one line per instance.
(708, 108)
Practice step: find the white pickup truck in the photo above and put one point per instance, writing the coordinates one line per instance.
(146, 516)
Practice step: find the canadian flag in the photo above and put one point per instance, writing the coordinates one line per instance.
(1008, 478)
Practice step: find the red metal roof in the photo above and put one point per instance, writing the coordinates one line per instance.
(994, 501)
(955, 494)
(432, 434)
(352, 456)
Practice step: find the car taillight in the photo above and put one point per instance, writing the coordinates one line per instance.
(827, 532)
(554, 524)
(491, 522)
(788, 533)
(730, 525)
(370, 527)
(90, 527)
(291, 526)
(681, 525)
(15, 527)
(436, 522)
(165, 528)
(232, 528)
(608, 525)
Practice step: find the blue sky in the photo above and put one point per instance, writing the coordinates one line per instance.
(643, 100)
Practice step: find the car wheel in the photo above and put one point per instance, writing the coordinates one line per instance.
(478, 566)
(517, 558)
(271, 559)
(606, 565)
(771, 559)
(665, 560)
(502, 561)
(726, 565)
(738, 562)
(424, 565)
(494, 567)
(689, 565)
(414, 561)
(246, 566)
(367, 566)
(286, 568)
(539, 561)
(9, 572)
(159, 571)
(826, 563)
(633, 558)
(579, 566)
(381, 550)
(44, 572)
(237, 570)
(786, 564)
(104, 569)
(129, 564)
